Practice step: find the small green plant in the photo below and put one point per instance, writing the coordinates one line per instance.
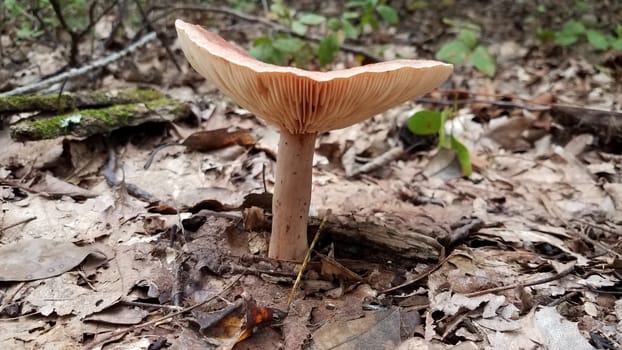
(284, 48)
(573, 31)
(465, 48)
(369, 12)
(429, 122)
(17, 18)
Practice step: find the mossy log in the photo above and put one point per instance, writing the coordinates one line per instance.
(72, 101)
(88, 122)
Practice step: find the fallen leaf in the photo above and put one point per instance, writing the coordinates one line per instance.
(30, 260)
(557, 332)
(375, 331)
(53, 187)
(119, 314)
(210, 140)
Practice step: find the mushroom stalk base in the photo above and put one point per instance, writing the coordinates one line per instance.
(292, 196)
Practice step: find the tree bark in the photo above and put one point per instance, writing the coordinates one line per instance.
(292, 196)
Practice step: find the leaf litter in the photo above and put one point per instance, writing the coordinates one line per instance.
(523, 254)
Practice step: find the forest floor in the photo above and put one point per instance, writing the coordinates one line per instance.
(98, 250)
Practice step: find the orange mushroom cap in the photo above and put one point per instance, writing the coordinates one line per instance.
(302, 101)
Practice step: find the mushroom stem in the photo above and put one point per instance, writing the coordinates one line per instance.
(292, 196)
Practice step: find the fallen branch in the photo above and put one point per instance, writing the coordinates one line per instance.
(379, 162)
(23, 221)
(99, 63)
(71, 101)
(544, 280)
(88, 122)
(380, 242)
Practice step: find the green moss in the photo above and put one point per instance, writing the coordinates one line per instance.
(36, 102)
(41, 129)
(102, 98)
(93, 121)
(66, 102)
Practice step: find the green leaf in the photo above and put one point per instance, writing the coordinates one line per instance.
(262, 52)
(328, 49)
(333, 24)
(597, 39)
(545, 35)
(350, 15)
(299, 28)
(616, 44)
(369, 18)
(312, 19)
(425, 122)
(463, 156)
(454, 51)
(350, 30)
(356, 3)
(483, 61)
(417, 4)
(288, 45)
(262, 40)
(388, 14)
(468, 37)
(563, 39)
(279, 9)
(573, 28)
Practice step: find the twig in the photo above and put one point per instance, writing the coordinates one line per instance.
(159, 306)
(121, 332)
(421, 276)
(76, 36)
(23, 221)
(9, 298)
(378, 162)
(152, 28)
(499, 103)
(595, 242)
(599, 227)
(112, 181)
(305, 262)
(562, 299)
(75, 72)
(279, 28)
(523, 284)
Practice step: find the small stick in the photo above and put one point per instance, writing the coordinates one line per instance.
(169, 316)
(75, 72)
(599, 227)
(523, 284)
(419, 277)
(23, 221)
(152, 28)
(159, 306)
(378, 162)
(305, 262)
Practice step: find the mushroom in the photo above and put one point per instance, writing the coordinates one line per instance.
(302, 104)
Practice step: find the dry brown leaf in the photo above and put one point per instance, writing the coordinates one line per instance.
(119, 314)
(30, 260)
(210, 140)
(53, 187)
(375, 331)
(64, 296)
